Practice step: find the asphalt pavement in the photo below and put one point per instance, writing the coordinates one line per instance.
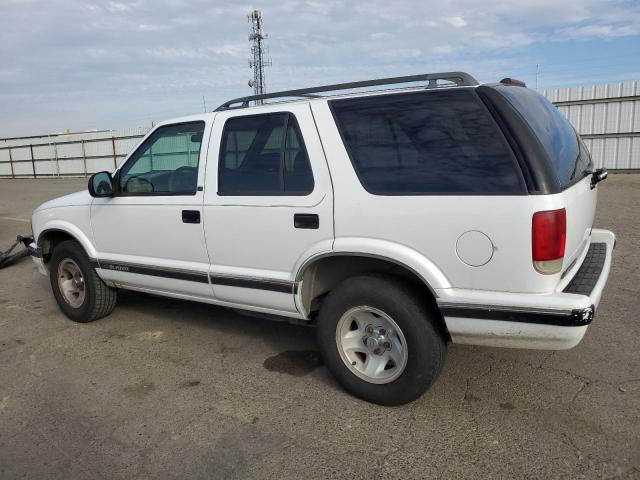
(170, 389)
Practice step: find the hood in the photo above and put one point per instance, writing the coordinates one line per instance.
(74, 199)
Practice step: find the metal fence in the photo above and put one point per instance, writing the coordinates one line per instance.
(607, 116)
(79, 154)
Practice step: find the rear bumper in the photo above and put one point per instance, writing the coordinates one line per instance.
(555, 321)
(593, 273)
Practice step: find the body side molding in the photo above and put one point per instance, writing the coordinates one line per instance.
(273, 285)
(270, 284)
(178, 274)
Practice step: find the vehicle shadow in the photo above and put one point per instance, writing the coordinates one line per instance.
(293, 349)
(294, 346)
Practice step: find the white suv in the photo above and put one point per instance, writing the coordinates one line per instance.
(395, 220)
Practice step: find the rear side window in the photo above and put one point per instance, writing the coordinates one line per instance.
(426, 143)
(264, 155)
(564, 148)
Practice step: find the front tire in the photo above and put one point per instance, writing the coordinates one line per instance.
(380, 340)
(81, 295)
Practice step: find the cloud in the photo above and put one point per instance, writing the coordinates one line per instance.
(236, 50)
(601, 31)
(118, 7)
(115, 63)
(150, 27)
(457, 22)
(172, 54)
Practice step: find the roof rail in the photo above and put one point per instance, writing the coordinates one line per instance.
(461, 79)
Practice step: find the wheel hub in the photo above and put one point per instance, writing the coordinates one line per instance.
(371, 344)
(375, 340)
(71, 283)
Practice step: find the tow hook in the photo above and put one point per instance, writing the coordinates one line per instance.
(8, 256)
(597, 176)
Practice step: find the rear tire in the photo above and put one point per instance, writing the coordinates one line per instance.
(79, 291)
(380, 340)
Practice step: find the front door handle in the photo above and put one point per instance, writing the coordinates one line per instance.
(190, 216)
(306, 220)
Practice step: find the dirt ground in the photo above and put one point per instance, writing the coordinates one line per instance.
(169, 389)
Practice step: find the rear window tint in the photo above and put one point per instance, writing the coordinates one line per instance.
(568, 155)
(426, 143)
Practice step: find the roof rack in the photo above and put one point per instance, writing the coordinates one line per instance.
(460, 79)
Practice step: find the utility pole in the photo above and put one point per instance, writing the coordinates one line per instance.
(257, 61)
(537, 72)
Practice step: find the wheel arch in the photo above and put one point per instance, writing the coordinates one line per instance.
(52, 236)
(319, 274)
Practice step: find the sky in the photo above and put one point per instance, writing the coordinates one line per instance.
(82, 64)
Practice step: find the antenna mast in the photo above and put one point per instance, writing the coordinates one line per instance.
(257, 61)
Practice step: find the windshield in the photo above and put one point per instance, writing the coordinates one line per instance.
(565, 149)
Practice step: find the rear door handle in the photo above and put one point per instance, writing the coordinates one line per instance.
(190, 216)
(306, 220)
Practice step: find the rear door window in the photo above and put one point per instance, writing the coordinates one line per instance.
(564, 148)
(264, 155)
(443, 142)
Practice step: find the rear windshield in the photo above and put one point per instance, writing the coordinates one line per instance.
(426, 143)
(568, 155)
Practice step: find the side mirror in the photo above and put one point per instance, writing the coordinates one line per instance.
(101, 185)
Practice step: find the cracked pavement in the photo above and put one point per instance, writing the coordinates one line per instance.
(169, 389)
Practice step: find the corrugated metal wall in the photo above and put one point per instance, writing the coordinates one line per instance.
(608, 119)
(73, 154)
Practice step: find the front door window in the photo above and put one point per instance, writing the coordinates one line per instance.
(166, 163)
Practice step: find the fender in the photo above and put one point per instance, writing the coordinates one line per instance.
(384, 250)
(68, 228)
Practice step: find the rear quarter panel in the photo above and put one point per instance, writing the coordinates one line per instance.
(580, 202)
(432, 224)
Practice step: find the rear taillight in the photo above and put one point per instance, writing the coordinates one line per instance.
(548, 236)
